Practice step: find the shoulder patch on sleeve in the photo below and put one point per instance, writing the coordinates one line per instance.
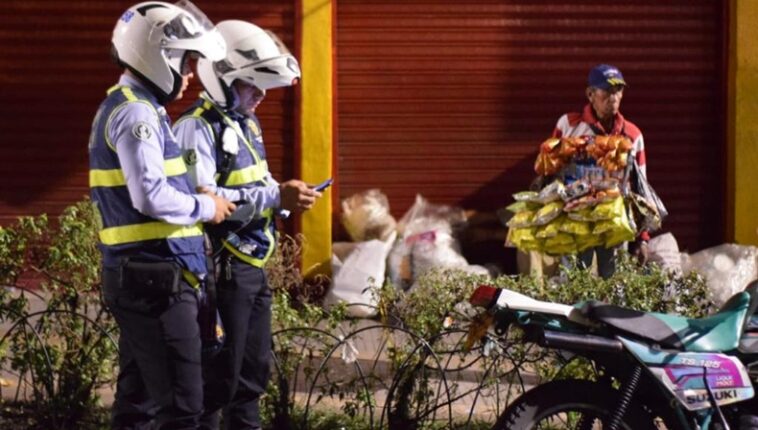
(141, 130)
(190, 157)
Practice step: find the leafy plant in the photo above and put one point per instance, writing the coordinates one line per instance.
(63, 353)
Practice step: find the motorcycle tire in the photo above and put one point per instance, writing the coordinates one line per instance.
(559, 399)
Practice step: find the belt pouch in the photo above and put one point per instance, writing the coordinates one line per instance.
(151, 278)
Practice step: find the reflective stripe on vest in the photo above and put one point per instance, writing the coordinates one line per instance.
(249, 174)
(115, 177)
(239, 177)
(147, 231)
(256, 262)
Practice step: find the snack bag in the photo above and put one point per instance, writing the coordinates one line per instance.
(589, 241)
(548, 213)
(609, 210)
(561, 243)
(525, 196)
(577, 228)
(521, 220)
(581, 215)
(622, 232)
(551, 229)
(551, 192)
(522, 206)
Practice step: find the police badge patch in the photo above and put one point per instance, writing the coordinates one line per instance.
(142, 131)
(190, 157)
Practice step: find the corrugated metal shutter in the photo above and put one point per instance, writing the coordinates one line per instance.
(54, 70)
(450, 99)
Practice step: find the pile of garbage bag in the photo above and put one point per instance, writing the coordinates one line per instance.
(728, 268)
(423, 239)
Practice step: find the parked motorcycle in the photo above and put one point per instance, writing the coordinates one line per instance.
(655, 371)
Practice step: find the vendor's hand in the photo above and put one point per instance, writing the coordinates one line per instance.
(297, 196)
(640, 250)
(224, 207)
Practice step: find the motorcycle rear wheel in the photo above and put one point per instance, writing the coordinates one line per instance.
(571, 404)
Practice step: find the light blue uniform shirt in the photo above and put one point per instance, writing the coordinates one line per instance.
(193, 135)
(141, 161)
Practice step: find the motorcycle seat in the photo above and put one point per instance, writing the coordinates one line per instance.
(718, 332)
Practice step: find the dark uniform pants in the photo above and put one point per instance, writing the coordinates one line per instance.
(160, 373)
(237, 376)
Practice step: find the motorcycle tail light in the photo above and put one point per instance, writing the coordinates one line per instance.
(483, 296)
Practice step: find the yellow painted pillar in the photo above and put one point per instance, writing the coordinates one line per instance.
(316, 133)
(742, 126)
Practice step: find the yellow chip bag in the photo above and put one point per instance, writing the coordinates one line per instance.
(589, 241)
(550, 229)
(577, 228)
(561, 249)
(548, 213)
(581, 215)
(522, 206)
(608, 210)
(560, 239)
(521, 219)
(621, 232)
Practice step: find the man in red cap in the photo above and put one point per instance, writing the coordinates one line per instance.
(601, 117)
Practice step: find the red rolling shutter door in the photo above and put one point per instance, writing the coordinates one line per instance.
(450, 99)
(54, 70)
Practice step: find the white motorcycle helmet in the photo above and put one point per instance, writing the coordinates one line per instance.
(152, 40)
(254, 55)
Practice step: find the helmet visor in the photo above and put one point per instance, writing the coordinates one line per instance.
(189, 30)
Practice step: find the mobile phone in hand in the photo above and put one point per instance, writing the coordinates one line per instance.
(324, 185)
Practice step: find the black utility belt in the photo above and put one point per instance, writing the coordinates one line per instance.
(150, 278)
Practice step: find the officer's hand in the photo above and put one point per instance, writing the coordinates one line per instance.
(224, 207)
(297, 196)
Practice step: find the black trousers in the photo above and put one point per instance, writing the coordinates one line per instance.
(160, 374)
(237, 376)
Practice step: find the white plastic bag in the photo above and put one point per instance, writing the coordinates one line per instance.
(664, 250)
(727, 268)
(354, 278)
(427, 241)
(366, 216)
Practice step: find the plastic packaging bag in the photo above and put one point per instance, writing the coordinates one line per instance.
(727, 268)
(354, 278)
(577, 228)
(427, 241)
(551, 193)
(522, 206)
(609, 210)
(366, 216)
(551, 229)
(664, 250)
(643, 188)
(521, 219)
(548, 213)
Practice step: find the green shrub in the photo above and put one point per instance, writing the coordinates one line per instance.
(64, 352)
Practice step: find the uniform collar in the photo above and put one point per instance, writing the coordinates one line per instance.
(136, 84)
(231, 113)
(588, 116)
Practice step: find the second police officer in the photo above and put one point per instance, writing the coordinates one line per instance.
(223, 146)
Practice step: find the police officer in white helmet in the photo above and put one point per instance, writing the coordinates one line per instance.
(223, 146)
(151, 236)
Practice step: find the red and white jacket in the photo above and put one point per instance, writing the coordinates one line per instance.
(577, 124)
